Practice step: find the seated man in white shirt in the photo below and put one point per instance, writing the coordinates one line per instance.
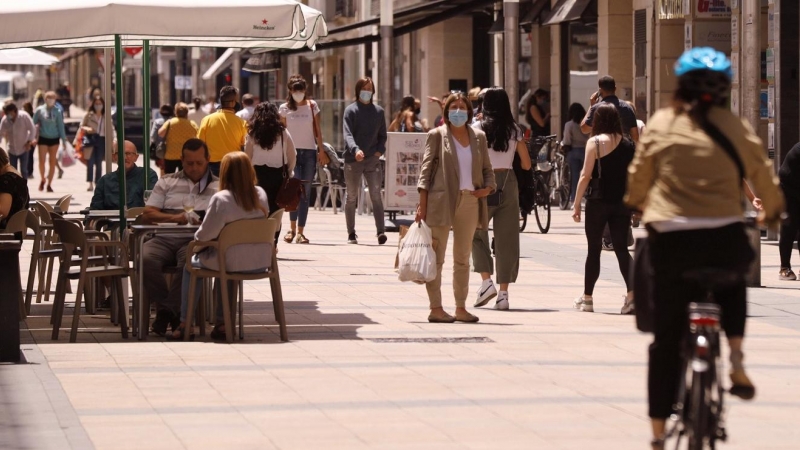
(166, 205)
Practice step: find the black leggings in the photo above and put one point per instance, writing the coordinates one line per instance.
(618, 218)
(672, 255)
(789, 230)
(271, 179)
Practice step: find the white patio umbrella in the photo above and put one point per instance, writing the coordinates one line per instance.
(26, 57)
(133, 23)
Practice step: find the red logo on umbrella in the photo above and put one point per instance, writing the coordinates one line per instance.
(265, 21)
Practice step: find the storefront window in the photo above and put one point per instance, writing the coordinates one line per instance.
(582, 63)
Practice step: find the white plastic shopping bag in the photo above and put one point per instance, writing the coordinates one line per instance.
(417, 260)
(66, 155)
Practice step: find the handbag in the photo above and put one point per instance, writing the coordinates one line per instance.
(292, 190)
(161, 148)
(496, 197)
(594, 191)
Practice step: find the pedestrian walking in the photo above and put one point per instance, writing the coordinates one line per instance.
(455, 179)
(406, 121)
(223, 131)
(365, 141)
(94, 128)
(504, 139)
(176, 131)
(197, 114)
(28, 108)
(607, 93)
(537, 113)
(575, 146)
(789, 175)
(300, 116)
(270, 147)
(20, 133)
(608, 154)
(687, 179)
(165, 112)
(248, 105)
(50, 129)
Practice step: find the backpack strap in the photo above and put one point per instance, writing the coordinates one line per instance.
(714, 133)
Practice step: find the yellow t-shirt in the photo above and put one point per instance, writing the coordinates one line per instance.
(223, 132)
(180, 131)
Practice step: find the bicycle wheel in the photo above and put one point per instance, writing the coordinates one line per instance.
(698, 410)
(565, 188)
(523, 220)
(542, 208)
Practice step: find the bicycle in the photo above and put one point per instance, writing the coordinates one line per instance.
(561, 182)
(540, 186)
(699, 410)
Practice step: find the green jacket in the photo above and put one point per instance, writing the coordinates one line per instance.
(106, 193)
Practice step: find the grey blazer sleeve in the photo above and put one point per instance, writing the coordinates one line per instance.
(433, 147)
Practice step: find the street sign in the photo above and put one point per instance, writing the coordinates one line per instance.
(183, 82)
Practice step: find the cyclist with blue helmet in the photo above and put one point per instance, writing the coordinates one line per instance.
(689, 188)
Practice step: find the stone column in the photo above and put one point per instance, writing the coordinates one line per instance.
(615, 44)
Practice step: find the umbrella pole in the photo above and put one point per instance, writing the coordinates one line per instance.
(146, 109)
(123, 190)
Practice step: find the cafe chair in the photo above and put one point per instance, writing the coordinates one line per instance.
(18, 226)
(62, 205)
(74, 241)
(248, 232)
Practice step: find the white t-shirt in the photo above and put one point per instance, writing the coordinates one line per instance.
(502, 160)
(273, 157)
(246, 113)
(300, 124)
(464, 167)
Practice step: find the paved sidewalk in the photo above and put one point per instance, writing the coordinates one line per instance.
(364, 369)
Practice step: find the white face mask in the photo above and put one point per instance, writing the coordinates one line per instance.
(98, 108)
(50, 102)
(298, 96)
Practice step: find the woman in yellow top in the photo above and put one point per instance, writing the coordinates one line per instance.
(690, 190)
(177, 131)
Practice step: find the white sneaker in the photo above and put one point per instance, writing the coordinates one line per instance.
(485, 293)
(502, 301)
(582, 304)
(628, 307)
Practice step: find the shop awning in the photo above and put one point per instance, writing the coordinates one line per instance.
(566, 11)
(536, 12)
(219, 65)
(26, 57)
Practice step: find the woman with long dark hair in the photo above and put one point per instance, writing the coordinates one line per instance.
(269, 147)
(406, 121)
(689, 188)
(537, 113)
(575, 144)
(504, 140)
(608, 154)
(300, 116)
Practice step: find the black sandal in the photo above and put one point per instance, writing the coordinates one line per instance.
(178, 335)
(217, 334)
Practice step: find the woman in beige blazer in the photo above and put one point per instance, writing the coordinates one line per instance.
(455, 180)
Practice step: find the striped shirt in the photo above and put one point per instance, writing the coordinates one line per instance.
(170, 190)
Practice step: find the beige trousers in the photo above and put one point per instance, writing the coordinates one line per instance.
(465, 222)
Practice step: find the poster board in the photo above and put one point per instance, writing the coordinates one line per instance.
(404, 152)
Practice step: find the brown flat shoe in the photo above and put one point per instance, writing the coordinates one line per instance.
(467, 318)
(446, 318)
(302, 239)
(289, 237)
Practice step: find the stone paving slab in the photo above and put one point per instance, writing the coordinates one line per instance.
(540, 376)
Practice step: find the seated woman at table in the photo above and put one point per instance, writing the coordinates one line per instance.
(13, 190)
(238, 198)
(106, 193)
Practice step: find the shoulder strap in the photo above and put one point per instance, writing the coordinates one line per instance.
(597, 157)
(714, 133)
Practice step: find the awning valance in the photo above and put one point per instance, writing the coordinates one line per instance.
(567, 11)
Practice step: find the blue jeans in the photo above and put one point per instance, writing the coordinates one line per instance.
(575, 158)
(199, 288)
(96, 160)
(304, 170)
(20, 162)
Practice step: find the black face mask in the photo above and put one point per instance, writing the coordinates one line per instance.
(417, 111)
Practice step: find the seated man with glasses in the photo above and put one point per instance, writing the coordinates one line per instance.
(106, 193)
(169, 203)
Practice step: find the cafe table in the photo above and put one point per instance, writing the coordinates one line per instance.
(140, 233)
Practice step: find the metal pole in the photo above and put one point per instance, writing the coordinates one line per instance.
(751, 93)
(120, 131)
(387, 56)
(498, 50)
(107, 95)
(511, 61)
(146, 110)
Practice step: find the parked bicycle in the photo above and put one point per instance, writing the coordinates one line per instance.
(560, 184)
(541, 150)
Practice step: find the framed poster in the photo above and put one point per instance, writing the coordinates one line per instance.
(404, 152)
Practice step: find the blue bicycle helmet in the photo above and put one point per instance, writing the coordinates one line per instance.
(703, 58)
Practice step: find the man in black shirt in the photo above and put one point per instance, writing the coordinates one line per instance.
(608, 94)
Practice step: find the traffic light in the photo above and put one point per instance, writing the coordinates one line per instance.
(228, 78)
